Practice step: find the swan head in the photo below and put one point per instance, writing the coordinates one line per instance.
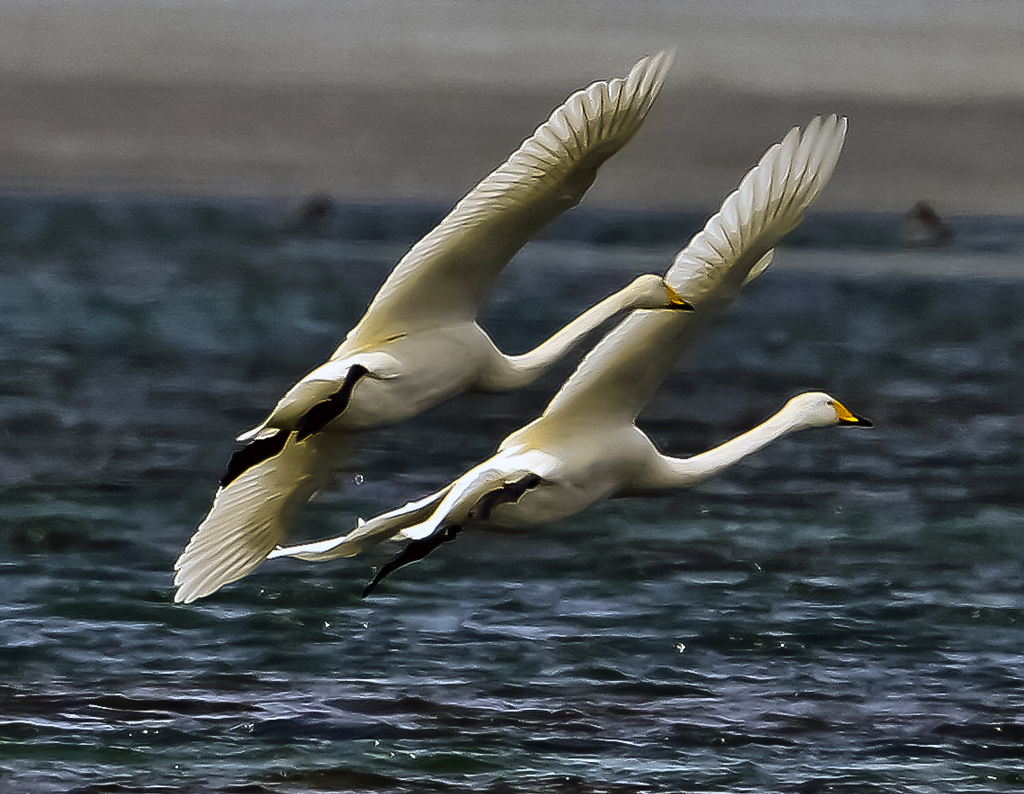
(817, 409)
(653, 292)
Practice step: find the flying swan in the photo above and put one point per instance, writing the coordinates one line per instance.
(418, 343)
(586, 445)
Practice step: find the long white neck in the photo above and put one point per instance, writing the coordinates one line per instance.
(686, 472)
(516, 372)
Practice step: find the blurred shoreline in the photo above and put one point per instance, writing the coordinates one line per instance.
(381, 100)
(380, 144)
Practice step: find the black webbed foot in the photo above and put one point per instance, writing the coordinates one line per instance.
(325, 412)
(414, 551)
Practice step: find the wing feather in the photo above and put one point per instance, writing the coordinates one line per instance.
(253, 515)
(450, 270)
(376, 530)
(772, 196)
(625, 368)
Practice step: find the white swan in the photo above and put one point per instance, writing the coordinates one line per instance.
(419, 343)
(586, 445)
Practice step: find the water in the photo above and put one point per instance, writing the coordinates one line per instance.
(843, 612)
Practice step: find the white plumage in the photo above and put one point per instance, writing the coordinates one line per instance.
(586, 445)
(419, 343)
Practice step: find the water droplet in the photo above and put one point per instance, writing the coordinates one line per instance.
(358, 479)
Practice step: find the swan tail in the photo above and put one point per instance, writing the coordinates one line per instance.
(322, 396)
(484, 492)
(258, 433)
(250, 517)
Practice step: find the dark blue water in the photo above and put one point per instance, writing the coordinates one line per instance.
(844, 612)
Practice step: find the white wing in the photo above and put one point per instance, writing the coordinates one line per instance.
(496, 481)
(624, 369)
(769, 203)
(450, 270)
(377, 529)
(252, 515)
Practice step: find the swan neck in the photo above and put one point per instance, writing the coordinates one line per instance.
(523, 369)
(690, 471)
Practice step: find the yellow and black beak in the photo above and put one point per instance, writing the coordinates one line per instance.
(678, 302)
(847, 417)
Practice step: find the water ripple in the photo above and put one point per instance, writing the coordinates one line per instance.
(842, 612)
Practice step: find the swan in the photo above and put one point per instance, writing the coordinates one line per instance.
(418, 343)
(586, 446)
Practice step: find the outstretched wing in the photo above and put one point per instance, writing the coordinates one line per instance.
(368, 533)
(625, 368)
(450, 270)
(252, 515)
(769, 203)
(469, 499)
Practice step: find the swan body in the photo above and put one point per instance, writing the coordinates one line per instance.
(419, 343)
(414, 371)
(571, 472)
(586, 446)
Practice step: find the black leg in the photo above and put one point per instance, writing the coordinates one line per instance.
(416, 550)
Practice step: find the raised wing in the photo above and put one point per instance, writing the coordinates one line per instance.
(449, 271)
(769, 203)
(625, 368)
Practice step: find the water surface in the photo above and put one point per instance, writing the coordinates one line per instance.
(842, 612)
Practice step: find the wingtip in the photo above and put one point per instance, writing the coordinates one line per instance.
(833, 126)
(185, 592)
(652, 70)
(191, 588)
(661, 60)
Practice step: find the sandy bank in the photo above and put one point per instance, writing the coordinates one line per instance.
(362, 144)
(381, 99)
